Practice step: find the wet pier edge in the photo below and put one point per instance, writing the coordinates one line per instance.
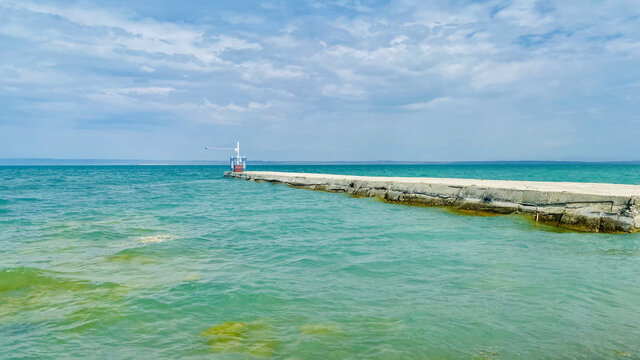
(589, 207)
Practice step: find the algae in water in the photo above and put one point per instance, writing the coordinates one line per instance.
(253, 338)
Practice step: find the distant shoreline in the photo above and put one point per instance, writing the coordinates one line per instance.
(120, 162)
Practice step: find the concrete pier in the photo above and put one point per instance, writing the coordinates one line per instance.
(591, 207)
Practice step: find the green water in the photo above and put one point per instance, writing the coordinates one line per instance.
(178, 262)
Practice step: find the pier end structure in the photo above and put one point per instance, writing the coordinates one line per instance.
(589, 207)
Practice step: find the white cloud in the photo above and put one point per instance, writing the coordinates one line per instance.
(147, 69)
(147, 35)
(626, 47)
(251, 106)
(282, 41)
(429, 105)
(346, 91)
(496, 73)
(259, 71)
(242, 18)
(226, 43)
(399, 40)
(289, 28)
(524, 13)
(141, 91)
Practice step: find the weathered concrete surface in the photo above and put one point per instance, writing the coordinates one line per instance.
(592, 207)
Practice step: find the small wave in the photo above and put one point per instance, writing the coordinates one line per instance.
(26, 199)
(619, 252)
(320, 329)
(157, 238)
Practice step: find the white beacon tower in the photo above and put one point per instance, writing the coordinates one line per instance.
(238, 163)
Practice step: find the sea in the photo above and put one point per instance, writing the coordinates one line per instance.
(178, 262)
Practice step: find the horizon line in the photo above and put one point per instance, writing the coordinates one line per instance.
(141, 162)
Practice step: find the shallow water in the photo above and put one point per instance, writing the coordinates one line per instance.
(178, 262)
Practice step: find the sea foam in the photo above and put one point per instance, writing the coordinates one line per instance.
(157, 238)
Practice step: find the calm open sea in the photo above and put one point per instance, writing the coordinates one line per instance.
(177, 262)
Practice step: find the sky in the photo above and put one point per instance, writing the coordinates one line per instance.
(408, 80)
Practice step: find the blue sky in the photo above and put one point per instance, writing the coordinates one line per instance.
(321, 80)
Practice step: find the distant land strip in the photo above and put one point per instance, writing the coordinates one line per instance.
(108, 162)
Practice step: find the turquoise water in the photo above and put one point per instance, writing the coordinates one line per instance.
(178, 262)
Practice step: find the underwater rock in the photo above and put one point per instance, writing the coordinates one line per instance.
(263, 348)
(622, 353)
(485, 355)
(225, 337)
(26, 277)
(240, 337)
(228, 329)
(78, 304)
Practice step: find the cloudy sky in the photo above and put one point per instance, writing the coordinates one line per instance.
(321, 80)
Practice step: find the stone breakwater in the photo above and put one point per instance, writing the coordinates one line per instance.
(592, 207)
